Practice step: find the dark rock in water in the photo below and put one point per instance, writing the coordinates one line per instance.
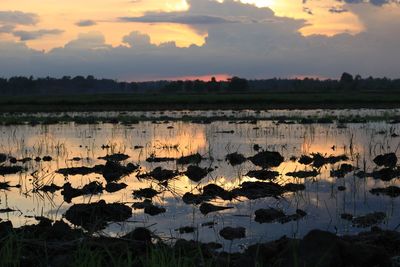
(306, 160)
(113, 171)
(341, 188)
(196, 173)
(303, 174)
(319, 160)
(13, 160)
(386, 174)
(6, 210)
(95, 216)
(256, 147)
(4, 170)
(273, 215)
(255, 190)
(342, 171)
(212, 191)
(3, 157)
(25, 160)
(191, 159)
(263, 174)
(268, 215)
(347, 216)
(231, 233)
(47, 158)
(159, 174)
(190, 198)
(206, 208)
(186, 230)
(145, 193)
(290, 187)
(154, 159)
(81, 170)
(38, 159)
(115, 187)
(369, 219)
(50, 188)
(142, 205)
(391, 191)
(267, 159)
(235, 158)
(115, 157)
(5, 185)
(387, 160)
(140, 234)
(90, 189)
(153, 210)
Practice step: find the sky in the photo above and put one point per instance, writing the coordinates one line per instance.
(137, 40)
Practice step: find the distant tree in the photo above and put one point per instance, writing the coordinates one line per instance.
(238, 84)
(346, 78)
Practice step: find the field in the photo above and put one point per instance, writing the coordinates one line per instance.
(211, 187)
(270, 100)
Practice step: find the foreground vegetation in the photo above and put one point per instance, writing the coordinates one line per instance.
(56, 244)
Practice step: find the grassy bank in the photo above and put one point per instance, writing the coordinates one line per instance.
(276, 100)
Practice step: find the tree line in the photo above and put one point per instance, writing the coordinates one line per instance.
(90, 85)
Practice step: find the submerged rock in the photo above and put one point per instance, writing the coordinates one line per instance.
(364, 221)
(231, 233)
(273, 215)
(95, 216)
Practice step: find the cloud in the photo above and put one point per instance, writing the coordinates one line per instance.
(258, 45)
(33, 35)
(7, 28)
(18, 18)
(176, 18)
(85, 23)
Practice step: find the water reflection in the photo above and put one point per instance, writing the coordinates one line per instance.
(321, 200)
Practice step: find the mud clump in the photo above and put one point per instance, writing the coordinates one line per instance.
(90, 189)
(5, 170)
(391, 191)
(255, 190)
(206, 208)
(95, 216)
(386, 160)
(196, 173)
(113, 171)
(212, 191)
(267, 159)
(115, 187)
(263, 174)
(145, 193)
(159, 174)
(235, 159)
(364, 221)
(115, 157)
(303, 174)
(274, 215)
(191, 159)
(231, 233)
(154, 210)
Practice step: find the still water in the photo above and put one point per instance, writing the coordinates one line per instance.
(321, 199)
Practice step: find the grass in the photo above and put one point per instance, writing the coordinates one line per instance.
(381, 99)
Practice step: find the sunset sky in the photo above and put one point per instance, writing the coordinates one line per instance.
(153, 39)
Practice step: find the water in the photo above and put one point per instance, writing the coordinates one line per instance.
(322, 200)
